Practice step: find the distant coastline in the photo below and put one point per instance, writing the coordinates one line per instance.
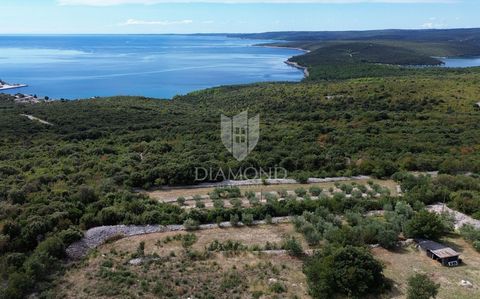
(298, 66)
(6, 86)
(148, 71)
(288, 62)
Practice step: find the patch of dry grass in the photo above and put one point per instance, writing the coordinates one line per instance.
(400, 266)
(174, 272)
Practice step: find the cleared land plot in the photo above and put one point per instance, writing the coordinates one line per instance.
(173, 272)
(172, 194)
(399, 266)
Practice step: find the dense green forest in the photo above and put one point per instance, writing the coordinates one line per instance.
(365, 126)
(377, 53)
(83, 170)
(365, 52)
(366, 59)
(432, 35)
(452, 42)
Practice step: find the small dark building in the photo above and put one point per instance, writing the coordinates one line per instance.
(439, 252)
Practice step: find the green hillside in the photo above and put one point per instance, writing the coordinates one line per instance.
(360, 112)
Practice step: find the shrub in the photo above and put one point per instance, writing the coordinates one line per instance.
(420, 286)
(219, 221)
(470, 233)
(191, 224)
(466, 202)
(18, 286)
(188, 240)
(254, 201)
(86, 195)
(158, 289)
(278, 287)
(313, 237)
(218, 204)
(247, 219)
(300, 192)
(227, 192)
(293, 247)
(268, 219)
(181, 201)
(236, 203)
(110, 216)
(200, 204)
(53, 246)
(140, 249)
(214, 195)
(350, 271)
(425, 225)
(282, 193)
(17, 196)
(346, 188)
(302, 178)
(231, 280)
(234, 219)
(39, 264)
(387, 238)
(315, 191)
(476, 245)
(271, 198)
(250, 195)
(362, 188)
(70, 235)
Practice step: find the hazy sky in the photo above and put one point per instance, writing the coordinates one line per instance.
(192, 16)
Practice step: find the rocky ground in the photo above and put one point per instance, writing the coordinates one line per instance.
(460, 218)
(97, 236)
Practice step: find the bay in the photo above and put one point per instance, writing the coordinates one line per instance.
(161, 66)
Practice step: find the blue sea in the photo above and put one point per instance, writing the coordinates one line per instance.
(161, 66)
(461, 62)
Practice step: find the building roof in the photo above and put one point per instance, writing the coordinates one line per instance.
(445, 253)
(438, 249)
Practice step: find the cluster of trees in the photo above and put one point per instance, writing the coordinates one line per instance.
(471, 234)
(349, 271)
(359, 230)
(346, 60)
(344, 265)
(461, 192)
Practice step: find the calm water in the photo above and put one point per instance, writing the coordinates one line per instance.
(461, 62)
(148, 65)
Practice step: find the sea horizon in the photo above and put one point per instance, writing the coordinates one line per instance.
(79, 66)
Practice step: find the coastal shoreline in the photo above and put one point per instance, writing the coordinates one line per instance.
(282, 47)
(8, 87)
(288, 62)
(298, 66)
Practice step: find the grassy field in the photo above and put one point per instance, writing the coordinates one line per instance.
(400, 265)
(174, 272)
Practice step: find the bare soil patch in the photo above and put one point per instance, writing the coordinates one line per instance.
(169, 270)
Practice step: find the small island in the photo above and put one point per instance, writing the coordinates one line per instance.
(4, 85)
